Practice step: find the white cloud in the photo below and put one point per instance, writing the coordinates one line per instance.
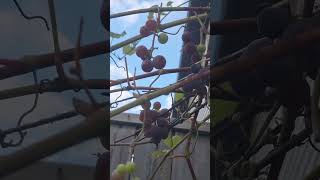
(119, 73)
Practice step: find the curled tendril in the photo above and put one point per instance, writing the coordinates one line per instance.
(117, 64)
(22, 135)
(116, 103)
(175, 32)
(31, 17)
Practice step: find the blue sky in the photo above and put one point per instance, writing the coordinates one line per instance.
(131, 24)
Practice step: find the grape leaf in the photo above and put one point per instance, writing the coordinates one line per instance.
(159, 153)
(116, 35)
(178, 96)
(223, 108)
(172, 141)
(128, 49)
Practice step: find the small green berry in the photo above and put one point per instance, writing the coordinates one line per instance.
(121, 169)
(131, 167)
(163, 38)
(201, 48)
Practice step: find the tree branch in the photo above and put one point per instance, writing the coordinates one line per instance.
(95, 125)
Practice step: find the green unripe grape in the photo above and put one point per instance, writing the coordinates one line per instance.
(121, 169)
(201, 48)
(131, 167)
(163, 38)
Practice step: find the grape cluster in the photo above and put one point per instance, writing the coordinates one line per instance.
(148, 61)
(150, 27)
(123, 169)
(102, 167)
(195, 52)
(156, 122)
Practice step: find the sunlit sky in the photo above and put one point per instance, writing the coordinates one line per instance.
(131, 24)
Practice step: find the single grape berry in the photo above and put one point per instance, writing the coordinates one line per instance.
(146, 105)
(159, 62)
(163, 38)
(164, 113)
(156, 105)
(201, 48)
(147, 65)
(151, 116)
(151, 25)
(144, 31)
(195, 57)
(103, 14)
(165, 132)
(202, 90)
(162, 122)
(191, 85)
(186, 37)
(189, 48)
(157, 133)
(131, 167)
(142, 51)
(121, 169)
(195, 68)
(116, 176)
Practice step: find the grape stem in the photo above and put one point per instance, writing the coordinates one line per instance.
(174, 147)
(161, 27)
(162, 9)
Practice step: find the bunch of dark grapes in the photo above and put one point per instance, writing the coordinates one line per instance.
(195, 52)
(157, 62)
(156, 122)
(149, 28)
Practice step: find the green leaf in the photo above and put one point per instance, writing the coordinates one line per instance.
(116, 35)
(128, 49)
(169, 3)
(172, 141)
(222, 108)
(159, 153)
(178, 96)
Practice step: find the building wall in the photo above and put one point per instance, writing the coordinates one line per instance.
(126, 124)
(53, 171)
